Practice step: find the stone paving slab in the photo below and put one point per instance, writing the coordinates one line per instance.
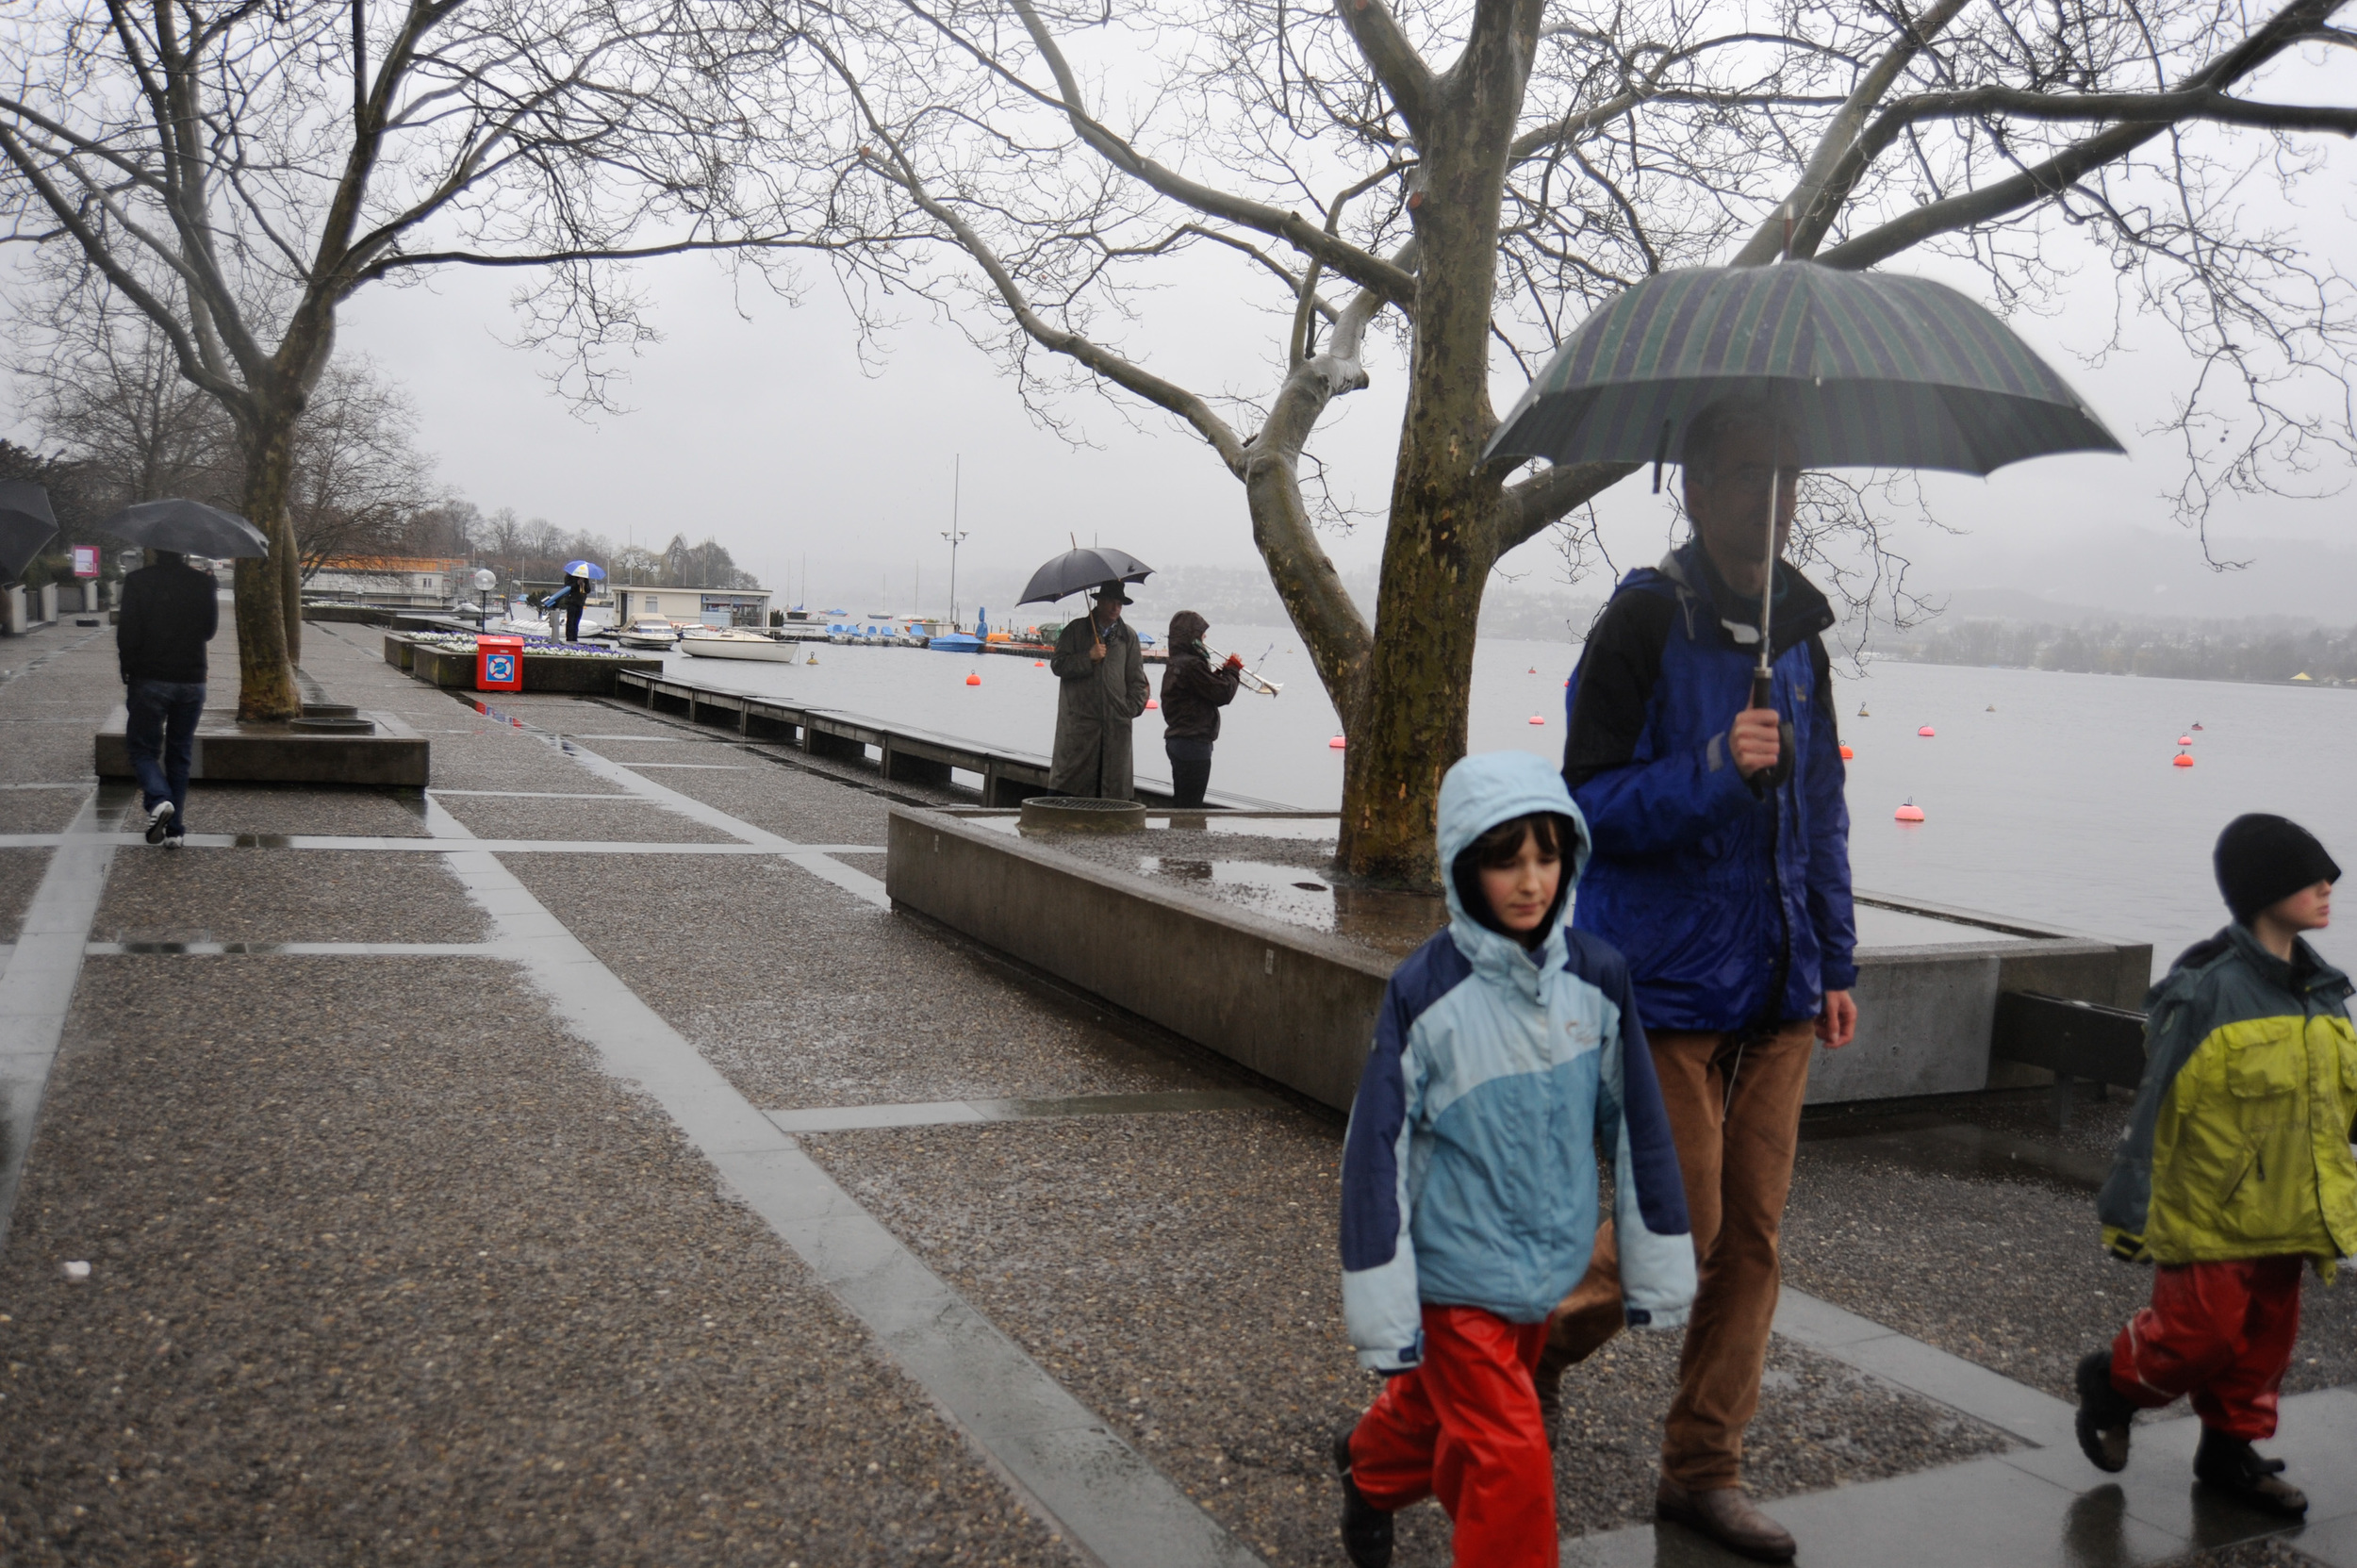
(498, 816)
(238, 808)
(389, 1270)
(316, 895)
(19, 873)
(829, 1001)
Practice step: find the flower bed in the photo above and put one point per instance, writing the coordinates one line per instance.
(447, 659)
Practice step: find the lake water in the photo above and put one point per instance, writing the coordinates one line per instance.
(2061, 806)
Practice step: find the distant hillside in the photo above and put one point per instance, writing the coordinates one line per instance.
(2260, 648)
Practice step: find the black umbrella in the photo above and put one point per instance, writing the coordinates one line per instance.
(190, 527)
(25, 524)
(1872, 369)
(1079, 570)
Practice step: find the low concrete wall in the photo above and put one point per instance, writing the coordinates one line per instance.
(1299, 1007)
(396, 756)
(1293, 1005)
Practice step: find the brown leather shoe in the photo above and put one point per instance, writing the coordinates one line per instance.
(1727, 1516)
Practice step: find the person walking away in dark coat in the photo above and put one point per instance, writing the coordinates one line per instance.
(1506, 1055)
(1192, 694)
(2236, 1168)
(1721, 870)
(1101, 671)
(170, 611)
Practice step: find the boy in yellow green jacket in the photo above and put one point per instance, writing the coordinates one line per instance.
(2235, 1167)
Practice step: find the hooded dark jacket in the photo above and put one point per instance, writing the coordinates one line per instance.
(1194, 689)
(1714, 890)
(169, 614)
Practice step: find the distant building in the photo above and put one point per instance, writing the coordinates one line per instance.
(708, 606)
(401, 582)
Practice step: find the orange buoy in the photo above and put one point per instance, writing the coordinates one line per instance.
(1927, 730)
(1151, 705)
(1846, 752)
(2184, 759)
(1335, 744)
(1042, 663)
(1908, 813)
(2184, 741)
(1536, 719)
(1534, 668)
(972, 679)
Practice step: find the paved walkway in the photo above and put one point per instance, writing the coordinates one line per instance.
(581, 1163)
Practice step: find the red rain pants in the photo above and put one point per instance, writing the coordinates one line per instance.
(2221, 1333)
(1465, 1428)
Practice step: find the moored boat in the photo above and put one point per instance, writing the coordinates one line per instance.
(733, 643)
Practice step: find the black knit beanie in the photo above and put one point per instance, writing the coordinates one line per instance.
(2262, 860)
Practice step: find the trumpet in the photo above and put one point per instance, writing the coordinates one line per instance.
(1251, 682)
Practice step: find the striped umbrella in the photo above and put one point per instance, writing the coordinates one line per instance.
(1871, 369)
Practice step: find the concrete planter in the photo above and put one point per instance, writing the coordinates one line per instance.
(1298, 1006)
(590, 675)
(391, 754)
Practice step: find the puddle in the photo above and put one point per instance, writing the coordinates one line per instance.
(1391, 923)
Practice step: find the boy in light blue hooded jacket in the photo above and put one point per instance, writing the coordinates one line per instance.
(1506, 1052)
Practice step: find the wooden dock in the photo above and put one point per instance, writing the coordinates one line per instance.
(901, 753)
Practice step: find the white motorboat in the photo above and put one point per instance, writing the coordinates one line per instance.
(650, 632)
(734, 643)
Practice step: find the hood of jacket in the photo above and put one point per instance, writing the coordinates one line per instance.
(1479, 793)
(1797, 612)
(1186, 630)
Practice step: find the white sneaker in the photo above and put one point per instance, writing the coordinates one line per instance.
(157, 820)
(175, 841)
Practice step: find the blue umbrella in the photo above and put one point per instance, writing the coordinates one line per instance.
(590, 569)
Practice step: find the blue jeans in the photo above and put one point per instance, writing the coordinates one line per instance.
(162, 720)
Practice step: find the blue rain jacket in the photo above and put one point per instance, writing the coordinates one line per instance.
(1469, 1174)
(1713, 889)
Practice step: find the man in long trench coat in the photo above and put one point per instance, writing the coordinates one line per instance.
(1102, 674)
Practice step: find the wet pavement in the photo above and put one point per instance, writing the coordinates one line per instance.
(579, 1162)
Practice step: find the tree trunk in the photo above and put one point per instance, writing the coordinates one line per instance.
(1442, 537)
(266, 622)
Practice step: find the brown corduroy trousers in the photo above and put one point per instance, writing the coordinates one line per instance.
(1735, 1153)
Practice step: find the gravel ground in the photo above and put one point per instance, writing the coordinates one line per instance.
(784, 799)
(39, 810)
(294, 809)
(627, 820)
(21, 871)
(2007, 1273)
(829, 1001)
(155, 895)
(1178, 1274)
(415, 1283)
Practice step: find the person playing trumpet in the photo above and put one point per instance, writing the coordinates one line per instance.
(1193, 691)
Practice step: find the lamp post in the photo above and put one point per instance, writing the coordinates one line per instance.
(484, 580)
(954, 537)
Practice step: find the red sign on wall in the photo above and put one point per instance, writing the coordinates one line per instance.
(85, 560)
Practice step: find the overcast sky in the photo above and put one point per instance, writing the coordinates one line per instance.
(764, 430)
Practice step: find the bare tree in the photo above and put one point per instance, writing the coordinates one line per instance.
(357, 475)
(1469, 177)
(105, 389)
(234, 170)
